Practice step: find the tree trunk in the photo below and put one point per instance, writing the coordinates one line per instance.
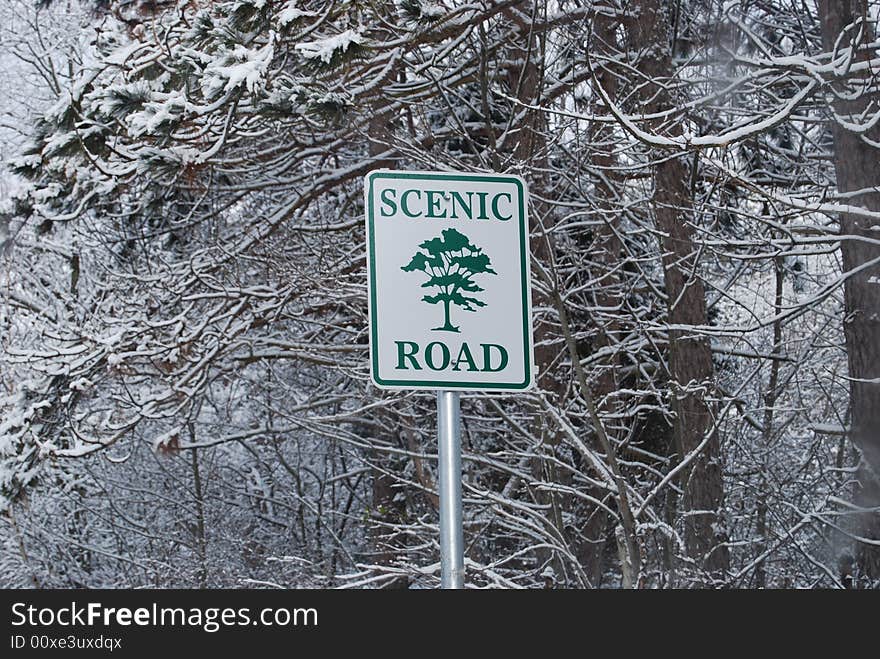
(527, 140)
(385, 511)
(690, 358)
(605, 247)
(857, 168)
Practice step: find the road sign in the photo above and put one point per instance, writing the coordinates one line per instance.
(448, 260)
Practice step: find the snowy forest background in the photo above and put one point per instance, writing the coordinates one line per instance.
(184, 395)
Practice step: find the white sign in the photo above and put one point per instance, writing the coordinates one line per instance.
(450, 301)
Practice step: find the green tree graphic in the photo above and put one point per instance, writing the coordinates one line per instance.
(451, 263)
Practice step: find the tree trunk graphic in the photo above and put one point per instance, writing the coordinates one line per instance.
(447, 326)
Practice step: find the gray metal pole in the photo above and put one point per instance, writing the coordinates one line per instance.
(449, 472)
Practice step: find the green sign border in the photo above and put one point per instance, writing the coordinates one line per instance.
(524, 278)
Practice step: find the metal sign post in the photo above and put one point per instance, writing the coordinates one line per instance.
(449, 450)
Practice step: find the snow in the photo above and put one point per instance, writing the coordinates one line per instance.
(292, 13)
(432, 9)
(165, 439)
(156, 113)
(59, 108)
(121, 55)
(828, 429)
(240, 66)
(81, 384)
(49, 192)
(325, 49)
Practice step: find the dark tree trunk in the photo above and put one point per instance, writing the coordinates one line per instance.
(689, 355)
(528, 143)
(857, 165)
(385, 511)
(605, 248)
(527, 140)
